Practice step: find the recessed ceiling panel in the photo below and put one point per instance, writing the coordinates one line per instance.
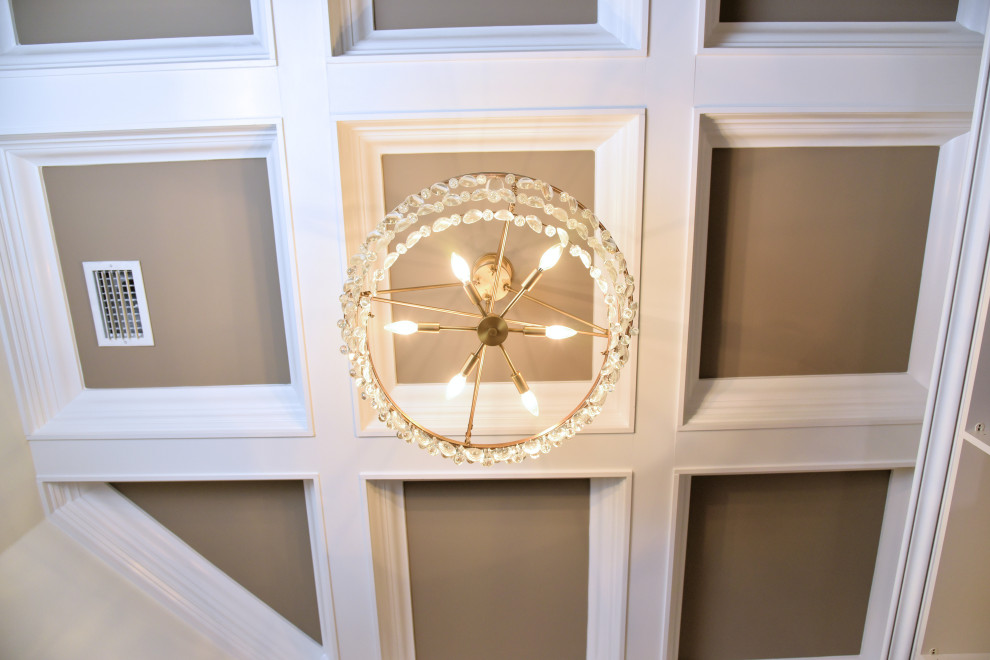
(814, 259)
(498, 568)
(732, 11)
(257, 532)
(434, 359)
(406, 14)
(203, 233)
(780, 565)
(68, 21)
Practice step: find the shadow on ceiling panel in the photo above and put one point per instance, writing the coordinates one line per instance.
(70, 21)
(203, 233)
(566, 286)
(403, 14)
(498, 568)
(257, 532)
(814, 259)
(738, 11)
(780, 565)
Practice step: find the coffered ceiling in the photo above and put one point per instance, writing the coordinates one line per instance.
(786, 190)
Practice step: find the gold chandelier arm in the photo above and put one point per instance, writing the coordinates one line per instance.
(543, 327)
(406, 289)
(498, 262)
(442, 310)
(474, 395)
(555, 309)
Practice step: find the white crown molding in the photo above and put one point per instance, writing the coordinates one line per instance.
(257, 47)
(621, 30)
(880, 609)
(608, 556)
(146, 553)
(736, 403)
(963, 33)
(37, 329)
(616, 137)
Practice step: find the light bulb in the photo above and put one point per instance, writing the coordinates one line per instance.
(403, 327)
(560, 332)
(456, 385)
(460, 267)
(550, 257)
(529, 400)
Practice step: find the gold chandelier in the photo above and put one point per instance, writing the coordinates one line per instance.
(554, 217)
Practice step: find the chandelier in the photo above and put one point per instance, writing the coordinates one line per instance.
(554, 219)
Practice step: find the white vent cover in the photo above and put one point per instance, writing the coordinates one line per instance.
(116, 296)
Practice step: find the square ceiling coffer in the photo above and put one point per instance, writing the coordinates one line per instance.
(116, 297)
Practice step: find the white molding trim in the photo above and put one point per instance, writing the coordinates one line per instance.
(158, 562)
(608, 556)
(729, 403)
(390, 558)
(257, 47)
(880, 610)
(37, 328)
(962, 320)
(964, 32)
(616, 137)
(621, 29)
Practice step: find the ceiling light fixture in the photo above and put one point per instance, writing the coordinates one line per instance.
(562, 220)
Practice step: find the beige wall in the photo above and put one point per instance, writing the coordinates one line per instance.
(402, 14)
(814, 259)
(20, 504)
(62, 21)
(203, 233)
(780, 565)
(960, 610)
(837, 10)
(59, 601)
(567, 285)
(257, 532)
(499, 569)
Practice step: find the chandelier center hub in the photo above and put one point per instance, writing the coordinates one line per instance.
(492, 330)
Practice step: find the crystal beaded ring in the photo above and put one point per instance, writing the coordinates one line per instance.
(541, 213)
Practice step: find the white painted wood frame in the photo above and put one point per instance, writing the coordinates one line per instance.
(37, 329)
(965, 32)
(621, 30)
(616, 137)
(880, 610)
(828, 400)
(257, 47)
(163, 566)
(608, 556)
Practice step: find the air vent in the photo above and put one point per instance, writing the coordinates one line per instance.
(116, 296)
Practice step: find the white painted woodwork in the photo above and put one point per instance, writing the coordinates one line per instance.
(144, 551)
(60, 601)
(910, 89)
(54, 400)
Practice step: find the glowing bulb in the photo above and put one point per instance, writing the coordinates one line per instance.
(404, 327)
(460, 267)
(456, 385)
(550, 257)
(529, 400)
(559, 332)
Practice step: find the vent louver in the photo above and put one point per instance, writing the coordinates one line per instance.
(120, 309)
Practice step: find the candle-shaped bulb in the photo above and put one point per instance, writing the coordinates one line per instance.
(460, 267)
(560, 332)
(529, 401)
(456, 386)
(403, 327)
(550, 257)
